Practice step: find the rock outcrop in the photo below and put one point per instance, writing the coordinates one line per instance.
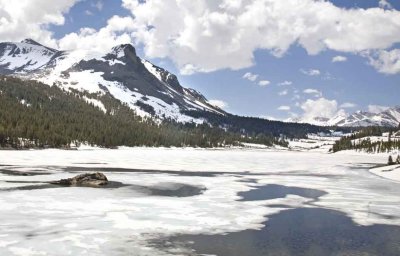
(87, 179)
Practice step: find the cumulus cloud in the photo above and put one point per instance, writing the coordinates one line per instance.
(98, 5)
(30, 19)
(319, 108)
(385, 4)
(284, 83)
(284, 108)
(339, 59)
(99, 41)
(212, 35)
(377, 108)
(263, 83)
(328, 76)
(311, 72)
(387, 62)
(296, 95)
(250, 76)
(204, 35)
(283, 93)
(219, 103)
(348, 105)
(315, 92)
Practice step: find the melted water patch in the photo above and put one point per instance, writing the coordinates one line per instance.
(303, 231)
(273, 191)
(170, 190)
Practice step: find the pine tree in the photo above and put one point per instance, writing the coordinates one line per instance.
(390, 161)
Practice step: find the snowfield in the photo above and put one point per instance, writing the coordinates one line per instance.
(390, 172)
(120, 220)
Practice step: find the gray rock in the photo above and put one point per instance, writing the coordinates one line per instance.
(87, 179)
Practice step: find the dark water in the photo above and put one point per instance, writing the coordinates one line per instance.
(273, 191)
(301, 231)
(23, 173)
(46, 185)
(170, 190)
(299, 173)
(162, 189)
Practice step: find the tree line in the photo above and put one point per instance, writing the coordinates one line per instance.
(35, 115)
(360, 141)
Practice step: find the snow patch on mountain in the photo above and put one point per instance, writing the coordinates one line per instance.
(118, 51)
(25, 103)
(152, 69)
(96, 103)
(25, 56)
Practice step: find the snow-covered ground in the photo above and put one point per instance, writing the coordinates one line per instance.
(40, 220)
(313, 143)
(390, 172)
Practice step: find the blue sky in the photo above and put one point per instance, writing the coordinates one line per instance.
(355, 81)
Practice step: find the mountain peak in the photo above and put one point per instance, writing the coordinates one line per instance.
(123, 50)
(30, 41)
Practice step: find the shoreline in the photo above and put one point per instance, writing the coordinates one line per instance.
(390, 172)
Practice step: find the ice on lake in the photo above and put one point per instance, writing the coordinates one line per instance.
(162, 193)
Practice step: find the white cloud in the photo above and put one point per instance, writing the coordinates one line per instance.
(339, 59)
(284, 83)
(377, 108)
(98, 5)
(250, 76)
(219, 103)
(311, 72)
(188, 69)
(296, 96)
(319, 108)
(284, 108)
(93, 41)
(283, 93)
(212, 35)
(387, 62)
(264, 83)
(315, 92)
(328, 76)
(348, 105)
(385, 4)
(204, 35)
(88, 12)
(30, 19)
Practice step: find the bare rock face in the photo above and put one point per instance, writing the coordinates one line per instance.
(87, 179)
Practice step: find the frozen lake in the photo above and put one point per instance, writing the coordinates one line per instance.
(197, 202)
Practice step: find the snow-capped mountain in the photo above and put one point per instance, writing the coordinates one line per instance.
(27, 56)
(388, 118)
(144, 87)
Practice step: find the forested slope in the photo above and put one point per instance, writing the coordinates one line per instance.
(33, 114)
